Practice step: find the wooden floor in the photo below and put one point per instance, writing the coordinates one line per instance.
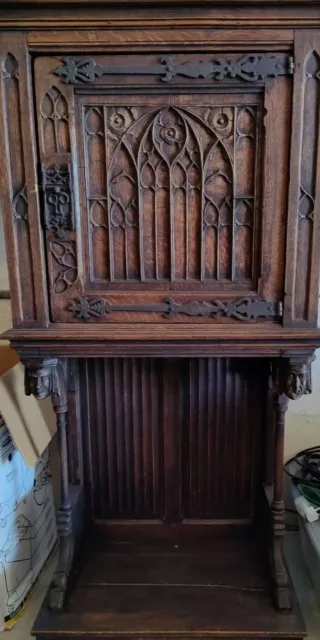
(135, 583)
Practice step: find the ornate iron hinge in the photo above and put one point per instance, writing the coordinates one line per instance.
(243, 309)
(58, 198)
(250, 68)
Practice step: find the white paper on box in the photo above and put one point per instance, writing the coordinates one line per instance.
(27, 524)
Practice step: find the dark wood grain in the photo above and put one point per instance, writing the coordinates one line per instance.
(204, 230)
(302, 282)
(161, 432)
(160, 214)
(19, 189)
(274, 15)
(169, 591)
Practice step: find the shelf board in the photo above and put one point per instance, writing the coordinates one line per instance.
(134, 583)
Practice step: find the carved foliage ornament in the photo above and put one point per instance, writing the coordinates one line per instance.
(249, 68)
(243, 309)
(64, 264)
(58, 198)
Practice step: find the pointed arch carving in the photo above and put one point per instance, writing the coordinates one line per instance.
(164, 198)
(55, 122)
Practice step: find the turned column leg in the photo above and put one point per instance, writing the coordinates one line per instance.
(59, 584)
(64, 512)
(278, 565)
(48, 378)
(293, 379)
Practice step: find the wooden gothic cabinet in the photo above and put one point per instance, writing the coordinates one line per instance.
(160, 177)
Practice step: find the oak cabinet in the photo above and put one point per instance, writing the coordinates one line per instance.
(160, 194)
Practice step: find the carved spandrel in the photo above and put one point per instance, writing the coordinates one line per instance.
(58, 198)
(64, 265)
(171, 192)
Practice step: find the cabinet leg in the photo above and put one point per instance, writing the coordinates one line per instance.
(48, 378)
(59, 584)
(278, 564)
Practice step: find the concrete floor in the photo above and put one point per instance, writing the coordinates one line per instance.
(309, 606)
(21, 630)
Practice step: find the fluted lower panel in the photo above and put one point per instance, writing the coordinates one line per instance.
(172, 439)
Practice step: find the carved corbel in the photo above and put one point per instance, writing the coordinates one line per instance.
(47, 377)
(296, 376)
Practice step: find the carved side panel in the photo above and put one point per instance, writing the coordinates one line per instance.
(171, 191)
(304, 196)
(18, 185)
(13, 142)
(56, 133)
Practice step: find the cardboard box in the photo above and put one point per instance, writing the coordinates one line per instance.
(32, 423)
(27, 514)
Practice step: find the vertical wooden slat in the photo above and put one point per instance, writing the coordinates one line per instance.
(75, 424)
(136, 426)
(110, 429)
(172, 441)
(99, 434)
(85, 397)
(157, 437)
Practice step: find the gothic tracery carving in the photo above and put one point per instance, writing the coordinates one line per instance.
(206, 205)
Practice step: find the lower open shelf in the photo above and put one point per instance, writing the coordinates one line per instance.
(172, 581)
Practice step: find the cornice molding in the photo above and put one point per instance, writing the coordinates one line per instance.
(103, 14)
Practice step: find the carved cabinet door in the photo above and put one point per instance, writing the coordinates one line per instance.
(164, 184)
